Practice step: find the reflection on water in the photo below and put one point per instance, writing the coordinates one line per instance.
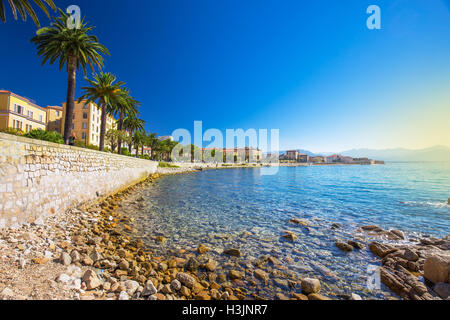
(242, 209)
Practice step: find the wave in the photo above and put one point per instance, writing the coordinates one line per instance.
(435, 204)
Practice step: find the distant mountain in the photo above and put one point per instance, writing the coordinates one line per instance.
(437, 153)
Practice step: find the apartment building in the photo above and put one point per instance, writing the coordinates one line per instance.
(54, 119)
(240, 154)
(20, 113)
(87, 121)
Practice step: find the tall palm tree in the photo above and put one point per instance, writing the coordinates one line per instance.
(107, 92)
(74, 48)
(132, 124)
(128, 106)
(24, 8)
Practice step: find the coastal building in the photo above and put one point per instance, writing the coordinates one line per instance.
(87, 121)
(20, 113)
(317, 159)
(302, 158)
(337, 158)
(247, 154)
(54, 118)
(291, 155)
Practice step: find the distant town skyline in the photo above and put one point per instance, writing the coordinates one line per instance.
(321, 77)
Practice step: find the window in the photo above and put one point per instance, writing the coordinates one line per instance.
(73, 126)
(73, 116)
(93, 137)
(30, 114)
(17, 124)
(85, 115)
(18, 109)
(57, 113)
(41, 118)
(83, 135)
(84, 125)
(28, 128)
(85, 106)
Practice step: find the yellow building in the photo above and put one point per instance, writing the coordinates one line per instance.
(87, 121)
(20, 113)
(54, 118)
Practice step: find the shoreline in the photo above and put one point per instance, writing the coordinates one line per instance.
(69, 251)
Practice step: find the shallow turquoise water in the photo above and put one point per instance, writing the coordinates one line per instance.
(215, 207)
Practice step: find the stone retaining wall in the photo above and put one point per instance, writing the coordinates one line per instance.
(39, 178)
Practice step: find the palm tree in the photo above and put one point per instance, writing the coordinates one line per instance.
(139, 139)
(127, 106)
(74, 48)
(24, 8)
(152, 142)
(132, 124)
(108, 93)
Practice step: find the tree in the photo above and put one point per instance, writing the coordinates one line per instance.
(74, 48)
(24, 8)
(108, 93)
(153, 143)
(126, 107)
(112, 136)
(132, 124)
(139, 139)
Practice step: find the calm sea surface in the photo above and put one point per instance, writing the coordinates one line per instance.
(216, 207)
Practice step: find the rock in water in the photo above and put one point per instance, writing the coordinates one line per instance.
(355, 244)
(234, 274)
(261, 275)
(232, 252)
(344, 246)
(192, 264)
(202, 249)
(310, 285)
(381, 249)
(298, 221)
(437, 268)
(290, 236)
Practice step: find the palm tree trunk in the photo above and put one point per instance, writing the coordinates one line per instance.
(119, 126)
(103, 127)
(142, 149)
(137, 150)
(70, 102)
(130, 145)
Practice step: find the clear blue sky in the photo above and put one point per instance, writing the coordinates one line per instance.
(309, 68)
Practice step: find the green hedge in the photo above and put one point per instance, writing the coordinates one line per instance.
(50, 136)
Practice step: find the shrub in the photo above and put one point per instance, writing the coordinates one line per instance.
(125, 152)
(13, 131)
(50, 136)
(145, 156)
(167, 165)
